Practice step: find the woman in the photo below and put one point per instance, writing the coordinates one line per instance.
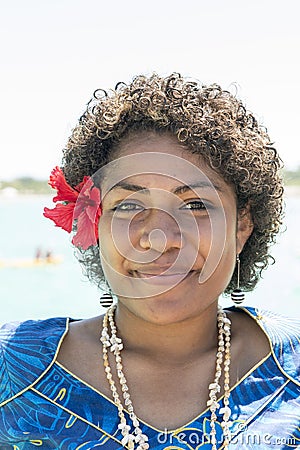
(178, 186)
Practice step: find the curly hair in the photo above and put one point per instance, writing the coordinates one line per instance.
(210, 122)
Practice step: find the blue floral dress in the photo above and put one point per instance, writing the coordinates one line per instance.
(44, 405)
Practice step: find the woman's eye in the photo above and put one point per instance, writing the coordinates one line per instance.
(195, 205)
(128, 207)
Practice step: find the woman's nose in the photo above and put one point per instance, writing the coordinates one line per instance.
(160, 231)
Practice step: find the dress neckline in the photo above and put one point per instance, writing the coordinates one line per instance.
(77, 379)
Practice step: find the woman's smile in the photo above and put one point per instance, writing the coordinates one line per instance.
(161, 278)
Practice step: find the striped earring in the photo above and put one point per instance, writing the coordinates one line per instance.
(238, 296)
(106, 300)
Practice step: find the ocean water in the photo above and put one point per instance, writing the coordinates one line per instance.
(61, 290)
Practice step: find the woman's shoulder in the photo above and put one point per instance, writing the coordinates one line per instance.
(283, 334)
(27, 350)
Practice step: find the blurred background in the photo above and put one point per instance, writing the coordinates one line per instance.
(54, 54)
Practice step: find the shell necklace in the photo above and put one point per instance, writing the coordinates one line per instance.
(133, 437)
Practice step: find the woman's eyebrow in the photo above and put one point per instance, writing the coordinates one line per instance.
(130, 187)
(178, 190)
(201, 184)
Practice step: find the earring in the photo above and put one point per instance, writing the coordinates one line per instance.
(106, 300)
(238, 296)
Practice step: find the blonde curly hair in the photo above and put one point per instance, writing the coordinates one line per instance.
(210, 122)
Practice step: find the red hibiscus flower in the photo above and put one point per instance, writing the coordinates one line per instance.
(81, 203)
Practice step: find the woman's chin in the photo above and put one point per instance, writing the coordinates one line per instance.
(171, 306)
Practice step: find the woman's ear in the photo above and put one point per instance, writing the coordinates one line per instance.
(244, 228)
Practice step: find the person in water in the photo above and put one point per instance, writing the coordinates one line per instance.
(173, 193)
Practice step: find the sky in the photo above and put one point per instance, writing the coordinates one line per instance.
(55, 53)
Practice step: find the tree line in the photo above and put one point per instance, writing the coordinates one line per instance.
(28, 185)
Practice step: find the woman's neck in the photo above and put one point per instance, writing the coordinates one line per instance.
(175, 343)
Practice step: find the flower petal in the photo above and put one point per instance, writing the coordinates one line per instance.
(93, 209)
(62, 215)
(86, 183)
(85, 236)
(64, 191)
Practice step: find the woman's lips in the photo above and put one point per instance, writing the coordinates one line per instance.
(161, 278)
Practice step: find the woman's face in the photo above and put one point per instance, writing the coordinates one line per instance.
(169, 232)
